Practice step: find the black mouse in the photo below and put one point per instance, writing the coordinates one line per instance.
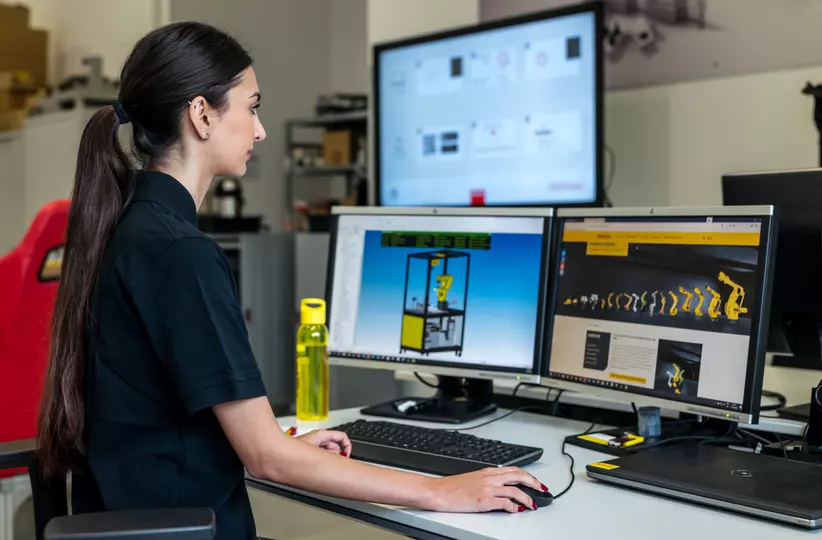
(540, 498)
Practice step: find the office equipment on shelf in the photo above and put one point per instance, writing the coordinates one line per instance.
(457, 292)
(434, 451)
(762, 486)
(504, 113)
(665, 307)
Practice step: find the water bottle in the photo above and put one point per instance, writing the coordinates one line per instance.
(312, 362)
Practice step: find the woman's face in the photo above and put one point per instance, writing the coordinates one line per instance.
(232, 139)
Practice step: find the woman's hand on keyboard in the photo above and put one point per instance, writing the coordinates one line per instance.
(334, 441)
(484, 491)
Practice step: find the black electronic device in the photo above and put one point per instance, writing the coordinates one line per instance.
(796, 305)
(434, 451)
(763, 486)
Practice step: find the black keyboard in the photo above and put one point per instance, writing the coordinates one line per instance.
(434, 451)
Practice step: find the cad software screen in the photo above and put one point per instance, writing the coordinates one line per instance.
(442, 290)
(499, 117)
(658, 306)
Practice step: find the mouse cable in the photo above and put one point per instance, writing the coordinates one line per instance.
(426, 383)
(781, 401)
(570, 457)
(518, 409)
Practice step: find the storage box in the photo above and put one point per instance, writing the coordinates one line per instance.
(16, 15)
(12, 120)
(26, 50)
(338, 148)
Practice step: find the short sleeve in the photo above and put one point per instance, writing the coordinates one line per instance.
(200, 334)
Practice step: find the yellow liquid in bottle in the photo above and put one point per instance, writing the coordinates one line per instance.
(312, 373)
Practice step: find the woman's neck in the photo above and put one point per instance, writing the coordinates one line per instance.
(195, 181)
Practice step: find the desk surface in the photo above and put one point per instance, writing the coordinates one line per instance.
(589, 510)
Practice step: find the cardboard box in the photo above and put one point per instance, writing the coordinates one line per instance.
(16, 15)
(26, 50)
(338, 148)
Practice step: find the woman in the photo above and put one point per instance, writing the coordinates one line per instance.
(152, 385)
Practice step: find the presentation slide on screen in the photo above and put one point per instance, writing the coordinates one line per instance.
(663, 306)
(459, 297)
(506, 116)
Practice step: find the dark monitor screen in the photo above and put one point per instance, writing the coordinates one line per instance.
(796, 307)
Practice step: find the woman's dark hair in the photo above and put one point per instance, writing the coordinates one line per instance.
(167, 68)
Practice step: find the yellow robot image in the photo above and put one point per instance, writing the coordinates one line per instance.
(674, 302)
(663, 302)
(713, 308)
(445, 281)
(602, 305)
(568, 302)
(733, 306)
(700, 298)
(610, 301)
(627, 305)
(676, 378)
(644, 299)
(686, 306)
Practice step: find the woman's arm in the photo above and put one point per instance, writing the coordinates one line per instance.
(270, 454)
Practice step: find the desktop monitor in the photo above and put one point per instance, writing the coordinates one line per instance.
(506, 113)
(664, 307)
(457, 292)
(796, 310)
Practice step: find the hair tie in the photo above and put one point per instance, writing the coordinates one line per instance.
(120, 112)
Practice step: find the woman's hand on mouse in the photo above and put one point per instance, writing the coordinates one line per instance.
(484, 491)
(334, 441)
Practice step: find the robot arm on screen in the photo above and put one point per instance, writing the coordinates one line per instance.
(713, 308)
(445, 281)
(686, 306)
(674, 302)
(699, 298)
(733, 306)
(675, 379)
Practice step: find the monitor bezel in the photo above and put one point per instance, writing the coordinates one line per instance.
(594, 7)
(759, 322)
(473, 371)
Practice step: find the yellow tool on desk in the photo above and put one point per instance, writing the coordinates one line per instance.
(623, 440)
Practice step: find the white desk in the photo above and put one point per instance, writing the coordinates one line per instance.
(590, 510)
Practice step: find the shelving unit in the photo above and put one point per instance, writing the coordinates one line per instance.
(296, 137)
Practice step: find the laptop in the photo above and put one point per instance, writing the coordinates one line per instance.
(768, 487)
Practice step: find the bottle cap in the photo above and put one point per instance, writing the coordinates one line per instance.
(312, 311)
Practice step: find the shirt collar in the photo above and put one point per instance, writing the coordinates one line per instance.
(159, 187)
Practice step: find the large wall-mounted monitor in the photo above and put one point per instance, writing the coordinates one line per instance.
(665, 307)
(507, 113)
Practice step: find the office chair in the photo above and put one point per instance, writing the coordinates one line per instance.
(89, 521)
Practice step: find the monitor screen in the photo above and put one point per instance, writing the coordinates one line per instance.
(458, 291)
(662, 307)
(502, 114)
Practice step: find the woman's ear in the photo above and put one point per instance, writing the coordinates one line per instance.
(200, 114)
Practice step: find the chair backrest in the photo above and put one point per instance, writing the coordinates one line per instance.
(28, 287)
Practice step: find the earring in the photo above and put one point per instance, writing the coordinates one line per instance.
(205, 135)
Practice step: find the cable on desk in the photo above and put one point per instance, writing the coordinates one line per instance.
(426, 383)
(781, 444)
(570, 457)
(518, 409)
(782, 401)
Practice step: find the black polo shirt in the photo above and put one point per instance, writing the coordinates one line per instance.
(167, 343)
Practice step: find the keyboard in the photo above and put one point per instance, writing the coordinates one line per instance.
(434, 451)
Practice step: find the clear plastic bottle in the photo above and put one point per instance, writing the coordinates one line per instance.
(312, 362)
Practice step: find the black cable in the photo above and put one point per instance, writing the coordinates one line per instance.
(555, 406)
(609, 182)
(506, 415)
(426, 383)
(782, 444)
(570, 457)
(782, 401)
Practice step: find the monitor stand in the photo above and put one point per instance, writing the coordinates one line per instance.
(458, 400)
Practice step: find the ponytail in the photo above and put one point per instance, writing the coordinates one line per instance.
(103, 186)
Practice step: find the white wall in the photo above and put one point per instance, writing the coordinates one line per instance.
(674, 142)
(395, 19)
(347, 27)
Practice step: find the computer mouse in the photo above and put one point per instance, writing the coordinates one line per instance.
(540, 498)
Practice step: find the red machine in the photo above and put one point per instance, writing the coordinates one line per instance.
(28, 286)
